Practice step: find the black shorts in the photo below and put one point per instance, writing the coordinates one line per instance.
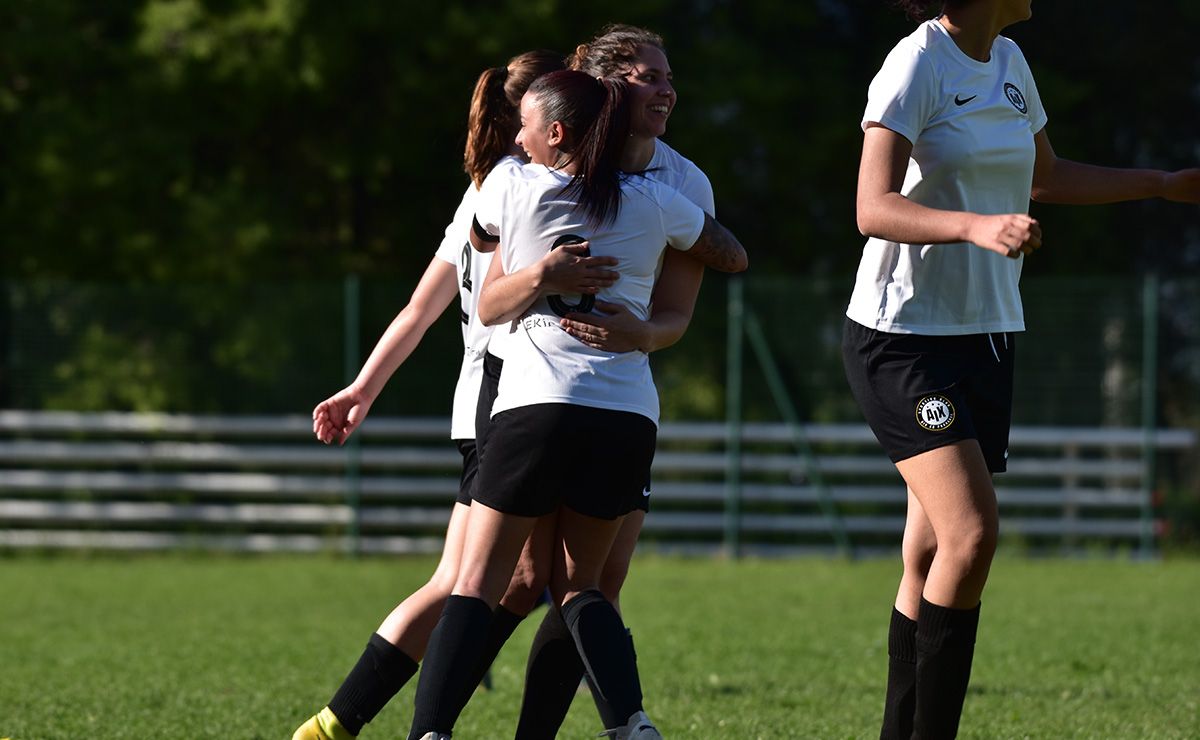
(594, 461)
(492, 365)
(643, 502)
(470, 470)
(921, 392)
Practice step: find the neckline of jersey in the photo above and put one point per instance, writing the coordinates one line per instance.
(961, 55)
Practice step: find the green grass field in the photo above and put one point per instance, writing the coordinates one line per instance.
(214, 647)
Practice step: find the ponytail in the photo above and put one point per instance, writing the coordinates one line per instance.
(493, 120)
(597, 178)
(487, 124)
(595, 116)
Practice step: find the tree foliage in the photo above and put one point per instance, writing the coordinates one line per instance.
(229, 145)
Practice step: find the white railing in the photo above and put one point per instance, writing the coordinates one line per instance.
(262, 483)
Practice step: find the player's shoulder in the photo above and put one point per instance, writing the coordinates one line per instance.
(667, 159)
(1006, 47)
(509, 175)
(508, 166)
(915, 55)
(680, 173)
(925, 40)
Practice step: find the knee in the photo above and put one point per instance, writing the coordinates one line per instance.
(443, 580)
(973, 543)
(918, 556)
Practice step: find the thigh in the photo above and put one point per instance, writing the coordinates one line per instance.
(616, 567)
(452, 549)
(532, 574)
(954, 489)
(493, 545)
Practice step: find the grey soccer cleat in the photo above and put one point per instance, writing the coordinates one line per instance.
(639, 727)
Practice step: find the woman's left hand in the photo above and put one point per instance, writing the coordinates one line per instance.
(1183, 186)
(610, 327)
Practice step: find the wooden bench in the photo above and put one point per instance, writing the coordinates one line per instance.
(262, 483)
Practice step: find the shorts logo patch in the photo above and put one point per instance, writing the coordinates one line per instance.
(935, 413)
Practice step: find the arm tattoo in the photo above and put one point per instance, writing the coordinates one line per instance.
(718, 248)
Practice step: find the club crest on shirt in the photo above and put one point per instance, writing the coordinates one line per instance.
(1015, 97)
(935, 413)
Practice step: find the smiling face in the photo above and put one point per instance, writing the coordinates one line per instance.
(539, 138)
(651, 94)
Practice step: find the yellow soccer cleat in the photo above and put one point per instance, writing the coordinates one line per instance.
(322, 726)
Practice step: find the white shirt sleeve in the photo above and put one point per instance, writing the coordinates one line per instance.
(452, 241)
(901, 97)
(682, 219)
(1037, 112)
(489, 206)
(697, 188)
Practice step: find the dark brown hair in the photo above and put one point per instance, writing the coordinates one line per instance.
(920, 10)
(614, 51)
(595, 117)
(493, 121)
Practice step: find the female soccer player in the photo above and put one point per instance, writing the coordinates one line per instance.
(954, 146)
(557, 396)
(637, 56)
(392, 652)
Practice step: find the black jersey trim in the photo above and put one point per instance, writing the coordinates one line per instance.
(482, 233)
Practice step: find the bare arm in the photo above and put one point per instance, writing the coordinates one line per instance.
(564, 269)
(718, 248)
(1058, 180)
(338, 416)
(611, 327)
(884, 213)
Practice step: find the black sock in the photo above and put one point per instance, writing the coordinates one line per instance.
(454, 649)
(608, 715)
(504, 623)
(902, 679)
(380, 672)
(552, 675)
(607, 652)
(945, 645)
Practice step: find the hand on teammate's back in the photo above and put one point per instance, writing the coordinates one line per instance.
(1009, 234)
(568, 269)
(610, 327)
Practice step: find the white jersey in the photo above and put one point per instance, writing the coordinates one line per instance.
(542, 363)
(668, 167)
(971, 125)
(472, 266)
(672, 168)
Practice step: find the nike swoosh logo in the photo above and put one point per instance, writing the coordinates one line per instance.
(963, 101)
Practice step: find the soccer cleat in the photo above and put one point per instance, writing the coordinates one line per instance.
(639, 727)
(431, 735)
(322, 726)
